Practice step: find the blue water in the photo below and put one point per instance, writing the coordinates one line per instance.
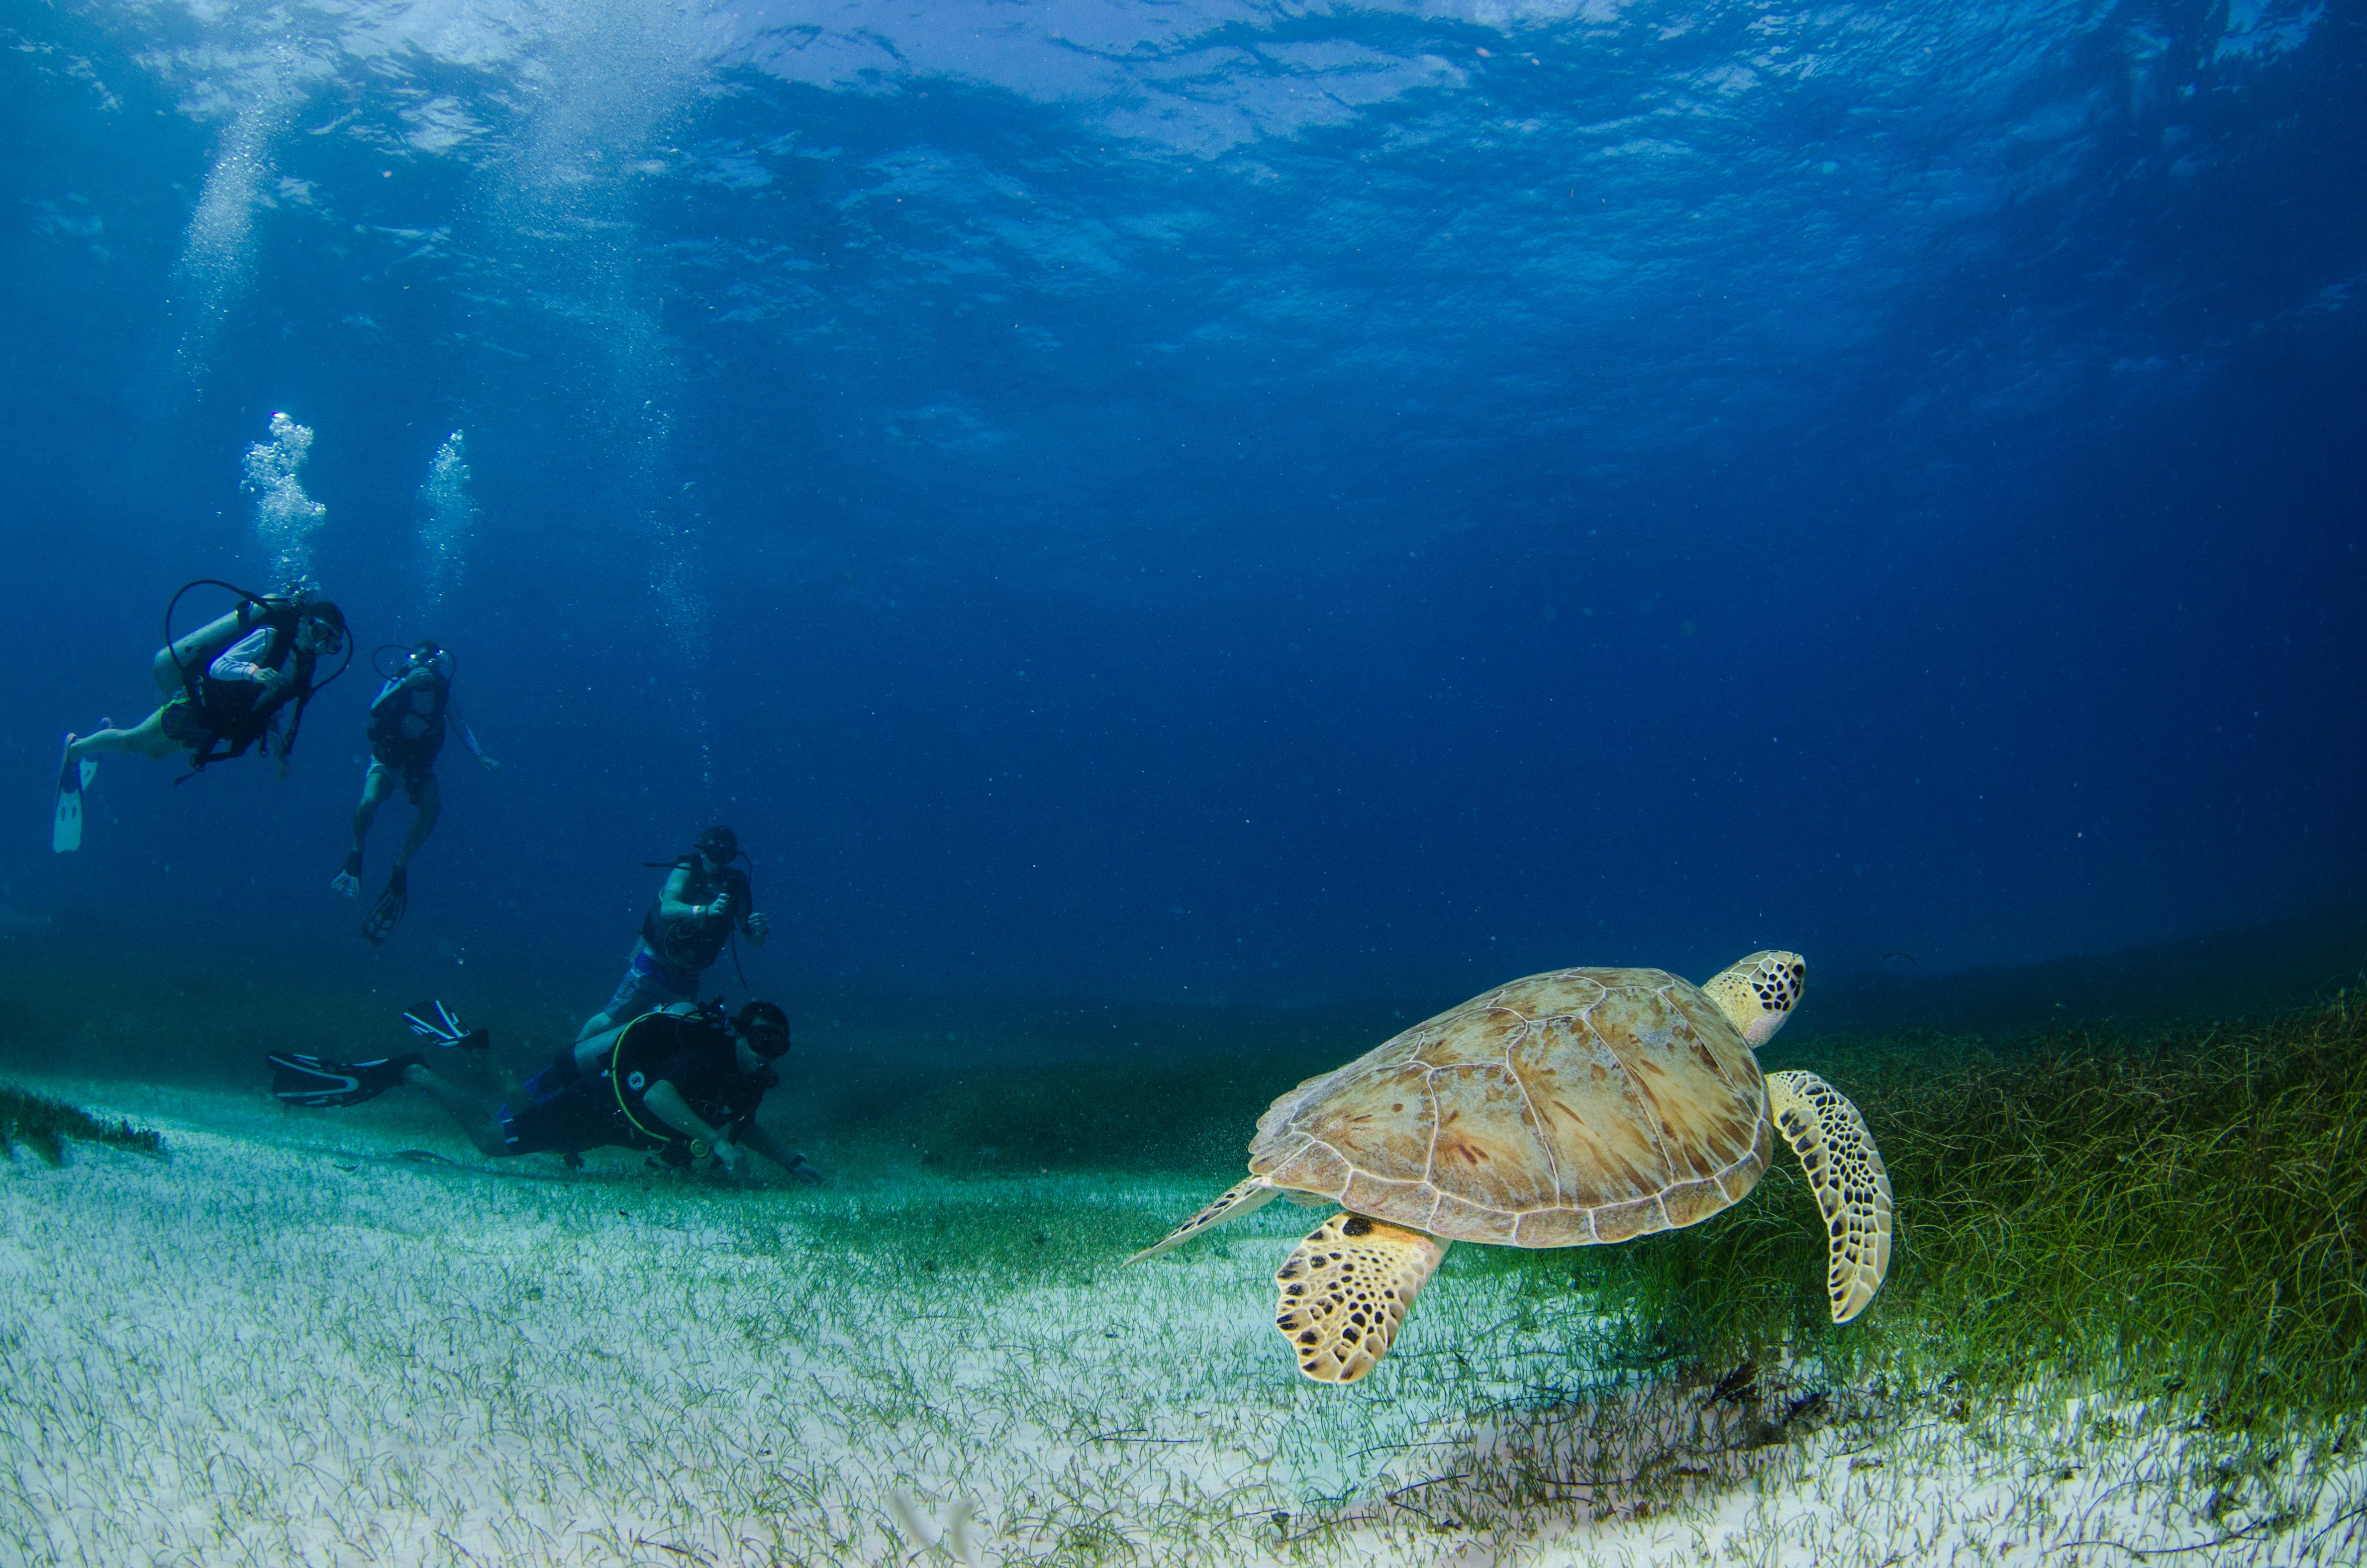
(1214, 502)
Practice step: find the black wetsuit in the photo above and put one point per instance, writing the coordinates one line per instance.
(560, 1110)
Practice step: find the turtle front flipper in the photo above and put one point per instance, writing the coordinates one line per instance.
(1845, 1170)
(1345, 1289)
(1234, 1202)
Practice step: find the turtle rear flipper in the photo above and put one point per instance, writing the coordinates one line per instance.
(1346, 1290)
(1845, 1171)
(1234, 1202)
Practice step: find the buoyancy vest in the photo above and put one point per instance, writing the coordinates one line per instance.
(236, 714)
(395, 709)
(695, 941)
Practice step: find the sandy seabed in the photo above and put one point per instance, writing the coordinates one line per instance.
(287, 1344)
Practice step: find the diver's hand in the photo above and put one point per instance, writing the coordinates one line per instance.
(489, 764)
(727, 1158)
(758, 927)
(718, 909)
(802, 1170)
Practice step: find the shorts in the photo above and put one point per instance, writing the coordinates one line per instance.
(179, 721)
(648, 984)
(550, 1118)
(417, 773)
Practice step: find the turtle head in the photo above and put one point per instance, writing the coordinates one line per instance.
(1758, 993)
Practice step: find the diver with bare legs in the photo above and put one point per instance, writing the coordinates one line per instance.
(226, 686)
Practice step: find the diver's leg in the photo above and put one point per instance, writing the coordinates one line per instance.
(147, 738)
(476, 1119)
(620, 1006)
(591, 1050)
(648, 986)
(429, 799)
(376, 784)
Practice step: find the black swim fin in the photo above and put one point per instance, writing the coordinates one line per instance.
(385, 914)
(308, 1080)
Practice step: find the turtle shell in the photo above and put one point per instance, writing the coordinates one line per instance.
(1582, 1106)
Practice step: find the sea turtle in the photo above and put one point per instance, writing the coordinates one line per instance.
(1564, 1110)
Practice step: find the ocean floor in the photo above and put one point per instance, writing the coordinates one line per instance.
(343, 1338)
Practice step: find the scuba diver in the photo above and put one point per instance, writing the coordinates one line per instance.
(408, 721)
(705, 899)
(225, 686)
(682, 1085)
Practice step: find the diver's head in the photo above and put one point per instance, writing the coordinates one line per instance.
(763, 1028)
(326, 623)
(426, 652)
(719, 845)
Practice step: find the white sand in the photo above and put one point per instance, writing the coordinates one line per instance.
(280, 1345)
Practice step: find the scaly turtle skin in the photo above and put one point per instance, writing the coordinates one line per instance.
(1566, 1109)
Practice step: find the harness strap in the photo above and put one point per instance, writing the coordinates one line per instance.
(665, 1136)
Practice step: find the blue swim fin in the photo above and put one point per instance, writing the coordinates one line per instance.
(66, 827)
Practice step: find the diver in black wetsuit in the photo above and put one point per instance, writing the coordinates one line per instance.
(684, 1086)
(408, 721)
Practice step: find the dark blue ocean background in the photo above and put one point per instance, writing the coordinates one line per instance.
(1209, 504)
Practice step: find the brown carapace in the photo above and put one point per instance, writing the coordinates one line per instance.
(1566, 1109)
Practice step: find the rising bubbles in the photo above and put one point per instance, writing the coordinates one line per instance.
(450, 516)
(285, 517)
